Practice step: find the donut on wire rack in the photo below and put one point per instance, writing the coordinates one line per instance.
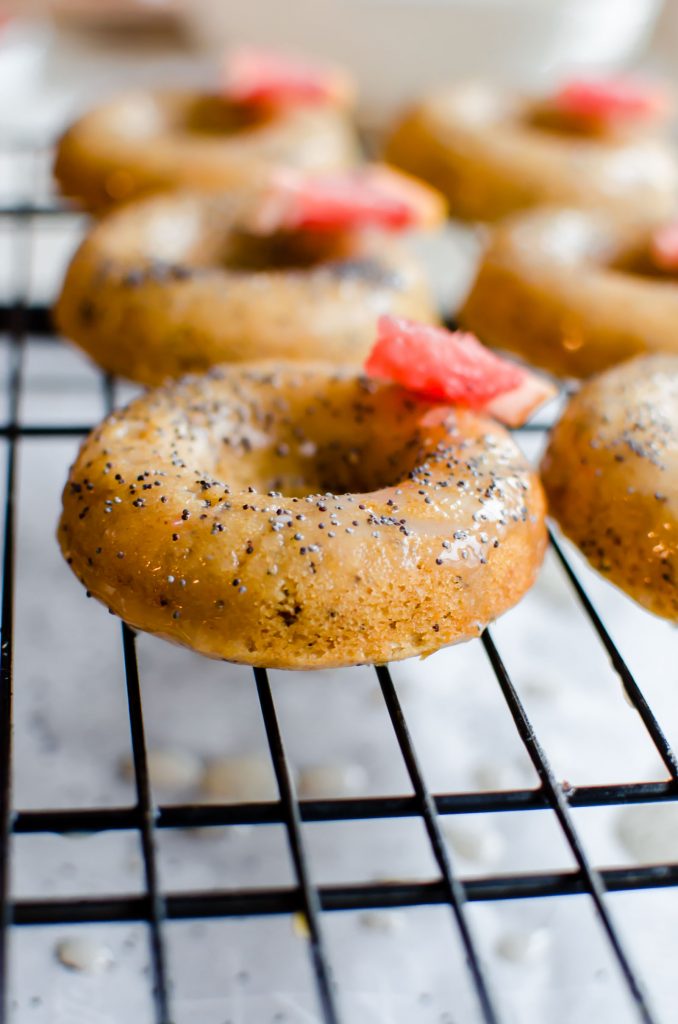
(298, 269)
(300, 515)
(611, 478)
(593, 144)
(575, 291)
(268, 111)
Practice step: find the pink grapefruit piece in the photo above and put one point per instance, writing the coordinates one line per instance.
(453, 366)
(257, 77)
(664, 246)
(371, 196)
(609, 100)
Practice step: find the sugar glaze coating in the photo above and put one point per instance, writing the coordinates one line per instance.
(144, 142)
(573, 291)
(492, 153)
(611, 478)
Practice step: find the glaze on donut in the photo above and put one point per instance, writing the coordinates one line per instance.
(573, 292)
(173, 284)
(611, 478)
(150, 142)
(491, 153)
(301, 516)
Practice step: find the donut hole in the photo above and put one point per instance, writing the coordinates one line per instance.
(638, 261)
(142, 116)
(324, 444)
(215, 115)
(334, 468)
(294, 468)
(575, 239)
(204, 233)
(288, 250)
(224, 245)
(547, 117)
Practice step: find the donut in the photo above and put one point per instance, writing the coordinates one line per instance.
(575, 291)
(611, 478)
(300, 515)
(144, 142)
(492, 153)
(178, 283)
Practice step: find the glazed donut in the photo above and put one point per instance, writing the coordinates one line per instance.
(492, 153)
(297, 515)
(173, 284)
(573, 292)
(148, 142)
(611, 478)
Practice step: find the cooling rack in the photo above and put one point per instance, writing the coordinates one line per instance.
(26, 324)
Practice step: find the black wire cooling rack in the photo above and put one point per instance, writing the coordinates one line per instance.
(21, 322)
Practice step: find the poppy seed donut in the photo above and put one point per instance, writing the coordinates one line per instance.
(611, 478)
(171, 285)
(145, 142)
(301, 516)
(573, 291)
(492, 153)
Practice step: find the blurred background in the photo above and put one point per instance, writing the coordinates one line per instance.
(397, 48)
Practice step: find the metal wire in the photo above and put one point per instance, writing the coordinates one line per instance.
(631, 688)
(456, 894)
(6, 645)
(384, 896)
(20, 322)
(22, 239)
(146, 819)
(309, 899)
(591, 878)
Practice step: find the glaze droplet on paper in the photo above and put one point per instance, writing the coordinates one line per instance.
(85, 954)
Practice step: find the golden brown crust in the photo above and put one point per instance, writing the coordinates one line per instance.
(611, 477)
(150, 293)
(485, 151)
(299, 516)
(573, 292)
(148, 142)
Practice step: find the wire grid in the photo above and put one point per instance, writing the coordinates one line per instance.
(19, 321)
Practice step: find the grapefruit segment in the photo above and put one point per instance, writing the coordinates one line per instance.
(516, 406)
(372, 196)
(453, 366)
(254, 77)
(609, 100)
(664, 246)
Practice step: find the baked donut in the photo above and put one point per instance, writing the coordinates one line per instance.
(179, 283)
(611, 478)
(574, 291)
(146, 142)
(297, 515)
(491, 152)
